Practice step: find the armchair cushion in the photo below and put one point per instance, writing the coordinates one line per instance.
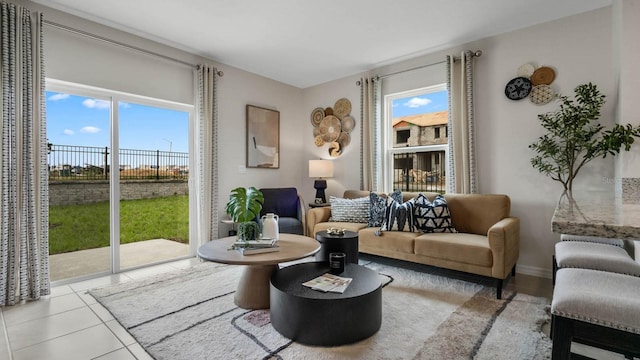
(282, 202)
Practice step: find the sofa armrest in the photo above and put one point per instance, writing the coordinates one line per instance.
(315, 216)
(504, 241)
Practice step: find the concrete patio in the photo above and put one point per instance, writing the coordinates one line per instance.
(87, 262)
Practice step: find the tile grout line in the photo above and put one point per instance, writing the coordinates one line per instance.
(6, 334)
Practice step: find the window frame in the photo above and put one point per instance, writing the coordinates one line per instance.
(388, 151)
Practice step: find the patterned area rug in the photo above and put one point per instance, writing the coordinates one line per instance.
(190, 314)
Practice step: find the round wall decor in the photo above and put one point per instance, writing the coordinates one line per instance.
(541, 94)
(333, 125)
(526, 70)
(518, 88)
(543, 76)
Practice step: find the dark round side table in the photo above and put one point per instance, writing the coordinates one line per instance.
(347, 243)
(319, 318)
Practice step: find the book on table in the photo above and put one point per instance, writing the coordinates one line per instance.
(257, 250)
(329, 283)
(259, 246)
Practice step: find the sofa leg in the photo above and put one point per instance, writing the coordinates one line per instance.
(499, 289)
(513, 270)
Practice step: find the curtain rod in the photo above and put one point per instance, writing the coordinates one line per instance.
(476, 53)
(120, 44)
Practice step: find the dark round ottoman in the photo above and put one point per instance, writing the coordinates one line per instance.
(347, 243)
(313, 317)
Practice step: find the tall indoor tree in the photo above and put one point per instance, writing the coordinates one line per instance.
(575, 137)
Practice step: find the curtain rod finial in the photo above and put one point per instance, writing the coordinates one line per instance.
(220, 73)
(477, 53)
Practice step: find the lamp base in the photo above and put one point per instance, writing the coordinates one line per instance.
(320, 185)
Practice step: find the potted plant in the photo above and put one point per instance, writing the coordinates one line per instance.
(243, 207)
(574, 137)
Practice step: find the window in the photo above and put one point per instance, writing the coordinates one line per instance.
(415, 145)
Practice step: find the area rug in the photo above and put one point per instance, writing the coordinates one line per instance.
(190, 314)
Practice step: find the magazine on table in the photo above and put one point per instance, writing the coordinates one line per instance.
(249, 250)
(329, 283)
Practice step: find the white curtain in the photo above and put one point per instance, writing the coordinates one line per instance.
(207, 154)
(24, 196)
(461, 171)
(371, 134)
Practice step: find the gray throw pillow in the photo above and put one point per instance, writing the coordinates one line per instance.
(350, 210)
(378, 205)
(433, 217)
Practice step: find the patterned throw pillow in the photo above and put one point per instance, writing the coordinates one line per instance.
(378, 205)
(398, 216)
(350, 210)
(433, 216)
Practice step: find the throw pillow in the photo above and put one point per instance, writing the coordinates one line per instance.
(378, 205)
(350, 210)
(433, 216)
(398, 216)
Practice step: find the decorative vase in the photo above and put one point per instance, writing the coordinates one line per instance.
(270, 226)
(248, 231)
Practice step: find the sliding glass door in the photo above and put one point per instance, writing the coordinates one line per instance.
(118, 170)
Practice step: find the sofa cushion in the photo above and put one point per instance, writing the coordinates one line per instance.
(476, 213)
(398, 216)
(458, 247)
(378, 206)
(395, 241)
(432, 216)
(350, 210)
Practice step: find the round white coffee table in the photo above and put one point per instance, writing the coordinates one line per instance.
(253, 288)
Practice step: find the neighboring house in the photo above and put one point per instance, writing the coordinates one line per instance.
(420, 130)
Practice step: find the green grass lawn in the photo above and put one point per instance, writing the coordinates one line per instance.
(86, 226)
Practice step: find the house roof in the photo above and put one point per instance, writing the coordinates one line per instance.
(430, 119)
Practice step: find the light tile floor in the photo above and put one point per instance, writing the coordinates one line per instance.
(70, 325)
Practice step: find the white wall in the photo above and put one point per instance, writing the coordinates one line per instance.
(579, 49)
(82, 60)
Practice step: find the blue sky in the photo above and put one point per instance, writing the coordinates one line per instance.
(422, 104)
(83, 121)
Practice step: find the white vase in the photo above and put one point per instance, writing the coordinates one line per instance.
(270, 226)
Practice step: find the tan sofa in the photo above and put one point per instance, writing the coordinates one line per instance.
(487, 242)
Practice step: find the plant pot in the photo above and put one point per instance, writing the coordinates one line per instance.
(248, 230)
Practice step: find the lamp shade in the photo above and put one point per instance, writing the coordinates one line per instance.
(320, 168)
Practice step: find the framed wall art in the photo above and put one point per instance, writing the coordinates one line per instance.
(263, 138)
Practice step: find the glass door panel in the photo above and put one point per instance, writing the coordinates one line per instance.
(78, 161)
(153, 178)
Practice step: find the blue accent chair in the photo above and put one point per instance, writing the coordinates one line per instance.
(290, 208)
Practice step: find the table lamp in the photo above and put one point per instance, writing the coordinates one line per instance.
(320, 169)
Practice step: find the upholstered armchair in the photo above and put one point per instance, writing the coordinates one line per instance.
(290, 208)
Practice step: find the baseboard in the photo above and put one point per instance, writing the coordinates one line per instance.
(534, 271)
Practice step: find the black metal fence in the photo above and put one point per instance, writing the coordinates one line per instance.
(420, 171)
(68, 162)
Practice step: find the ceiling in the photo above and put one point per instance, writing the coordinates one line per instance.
(304, 42)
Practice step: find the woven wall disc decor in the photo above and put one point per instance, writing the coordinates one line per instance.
(541, 94)
(332, 125)
(543, 76)
(316, 116)
(342, 108)
(330, 128)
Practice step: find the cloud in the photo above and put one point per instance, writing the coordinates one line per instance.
(417, 102)
(90, 129)
(68, 132)
(96, 104)
(124, 105)
(58, 96)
